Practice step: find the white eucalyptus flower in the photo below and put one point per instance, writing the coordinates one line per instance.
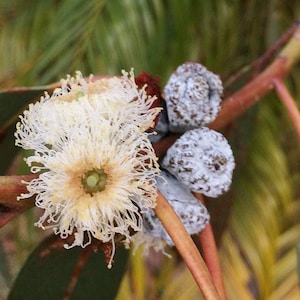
(97, 166)
(202, 160)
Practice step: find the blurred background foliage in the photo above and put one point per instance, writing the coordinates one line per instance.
(42, 41)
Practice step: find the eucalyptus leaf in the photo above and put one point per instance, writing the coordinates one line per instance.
(4, 267)
(8, 150)
(14, 101)
(52, 272)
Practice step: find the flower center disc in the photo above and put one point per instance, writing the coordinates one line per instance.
(94, 181)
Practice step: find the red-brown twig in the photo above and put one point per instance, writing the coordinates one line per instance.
(289, 103)
(210, 253)
(186, 247)
(260, 62)
(239, 102)
(10, 188)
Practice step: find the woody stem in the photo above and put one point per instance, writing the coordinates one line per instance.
(289, 103)
(210, 253)
(186, 247)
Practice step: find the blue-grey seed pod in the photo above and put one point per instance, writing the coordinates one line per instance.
(193, 97)
(202, 160)
(190, 211)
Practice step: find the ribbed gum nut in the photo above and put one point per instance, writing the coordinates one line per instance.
(202, 160)
(191, 212)
(193, 97)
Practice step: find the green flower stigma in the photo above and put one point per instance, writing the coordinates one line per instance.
(79, 95)
(94, 181)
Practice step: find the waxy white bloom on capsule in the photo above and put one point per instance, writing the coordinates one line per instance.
(97, 168)
(190, 211)
(193, 97)
(202, 160)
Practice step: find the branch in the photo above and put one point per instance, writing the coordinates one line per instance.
(210, 253)
(239, 102)
(289, 103)
(185, 247)
(10, 188)
(260, 62)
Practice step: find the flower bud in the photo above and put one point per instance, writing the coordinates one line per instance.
(193, 97)
(202, 160)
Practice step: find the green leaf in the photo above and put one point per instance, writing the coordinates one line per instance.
(4, 267)
(8, 150)
(52, 272)
(12, 103)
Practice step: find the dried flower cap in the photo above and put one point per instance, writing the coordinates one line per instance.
(191, 212)
(193, 96)
(202, 160)
(98, 165)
